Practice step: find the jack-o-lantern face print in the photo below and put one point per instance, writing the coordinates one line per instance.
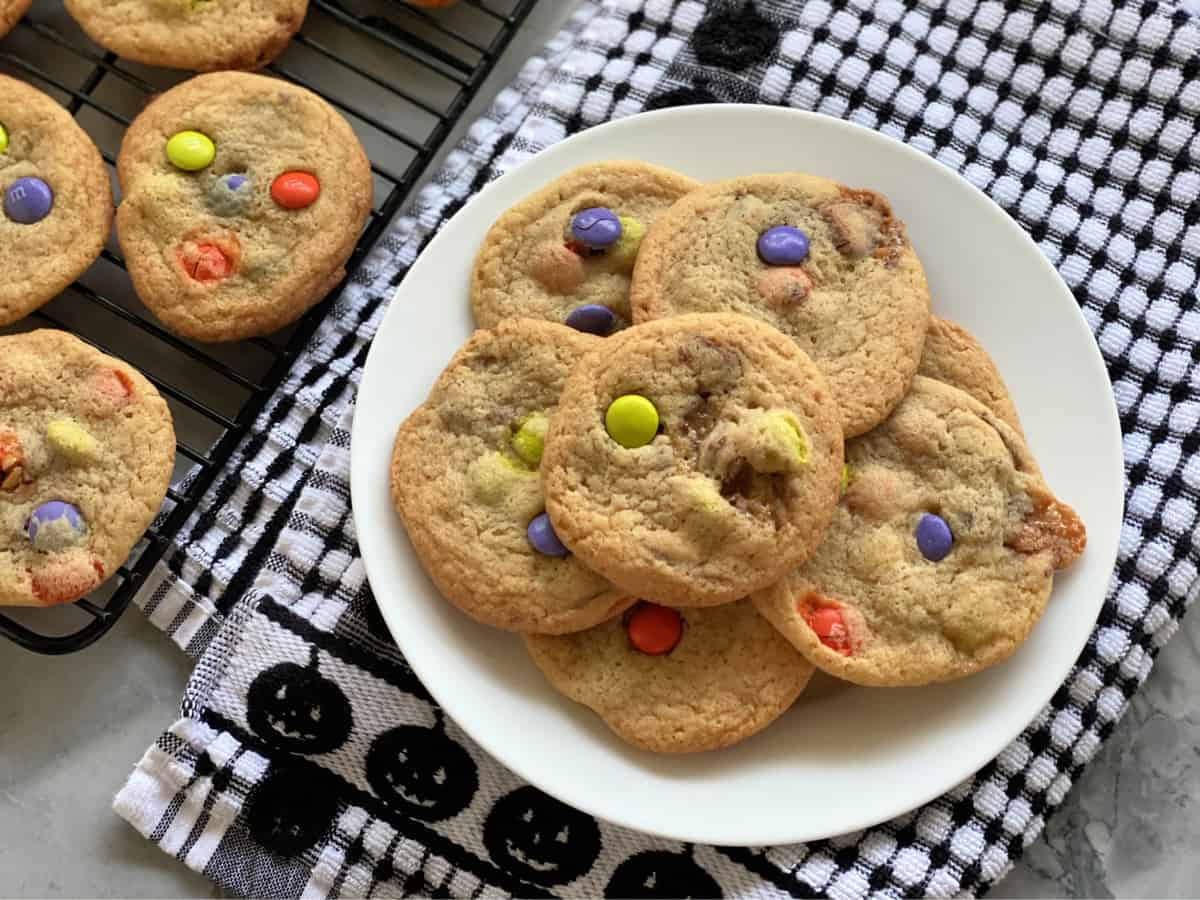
(295, 708)
(422, 772)
(539, 839)
(292, 809)
(657, 873)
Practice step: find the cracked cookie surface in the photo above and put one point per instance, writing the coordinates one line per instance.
(941, 554)
(58, 205)
(739, 476)
(464, 478)
(529, 266)
(86, 453)
(728, 675)
(851, 292)
(259, 225)
(204, 35)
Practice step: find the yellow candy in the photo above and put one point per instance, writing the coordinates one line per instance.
(625, 250)
(530, 438)
(491, 477)
(777, 443)
(3, 139)
(845, 478)
(632, 421)
(73, 442)
(190, 151)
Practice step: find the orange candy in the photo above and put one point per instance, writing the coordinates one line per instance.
(208, 260)
(654, 629)
(295, 190)
(827, 624)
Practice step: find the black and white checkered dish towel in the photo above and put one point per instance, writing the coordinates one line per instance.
(1079, 120)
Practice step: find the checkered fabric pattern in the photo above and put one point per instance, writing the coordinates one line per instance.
(1079, 119)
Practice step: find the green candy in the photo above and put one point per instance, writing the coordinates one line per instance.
(777, 443)
(845, 478)
(625, 250)
(530, 438)
(632, 421)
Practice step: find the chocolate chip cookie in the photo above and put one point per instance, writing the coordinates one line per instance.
(941, 554)
(57, 201)
(244, 197)
(566, 252)
(464, 479)
(829, 266)
(205, 35)
(693, 459)
(677, 681)
(86, 452)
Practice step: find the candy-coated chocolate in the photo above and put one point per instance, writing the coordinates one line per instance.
(653, 629)
(596, 227)
(934, 539)
(828, 625)
(784, 286)
(190, 151)
(28, 200)
(12, 461)
(783, 245)
(230, 195)
(592, 318)
(631, 420)
(530, 438)
(295, 190)
(625, 250)
(845, 484)
(205, 262)
(3, 139)
(54, 526)
(72, 441)
(542, 537)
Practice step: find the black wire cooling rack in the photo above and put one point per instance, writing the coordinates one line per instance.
(402, 76)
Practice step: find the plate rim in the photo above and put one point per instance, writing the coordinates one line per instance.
(969, 763)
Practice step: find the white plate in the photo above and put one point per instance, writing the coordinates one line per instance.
(850, 757)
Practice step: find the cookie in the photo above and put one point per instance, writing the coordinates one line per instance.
(86, 452)
(57, 205)
(694, 459)
(829, 266)
(204, 35)
(10, 14)
(677, 681)
(953, 356)
(566, 252)
(941, 555)
(464, 479)
(243, 198)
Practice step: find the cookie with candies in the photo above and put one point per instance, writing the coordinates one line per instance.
(941, 554)
(953, 356)
(243, 198)
(86, 452)
(828, 265)
(677, 681)
(464, 479)
(10, 14)
(566, 252)
(204, 35)
(694, 459)
(56, 204)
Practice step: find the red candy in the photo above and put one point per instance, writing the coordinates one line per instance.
(827, 623)
(653, 629)
(65, 581)
(204, 262)
(295, 190)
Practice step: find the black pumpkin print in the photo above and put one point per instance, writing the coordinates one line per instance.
(734, 36)
(539, 839)
(657, 873)
(295, 708)
(292, 808)
(422, 772)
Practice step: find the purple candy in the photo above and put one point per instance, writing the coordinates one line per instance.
(229, 195)
(596, 227)
(54, 525)
(592, 318)
(233, 182)
(783, 245)
(542, 537)
(934, 539)
(28, 200)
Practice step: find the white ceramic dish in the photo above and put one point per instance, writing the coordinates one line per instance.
(844, 758)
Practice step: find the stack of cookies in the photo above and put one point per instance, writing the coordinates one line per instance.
(709, 438)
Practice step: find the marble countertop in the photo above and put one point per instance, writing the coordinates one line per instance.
(71, 729)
